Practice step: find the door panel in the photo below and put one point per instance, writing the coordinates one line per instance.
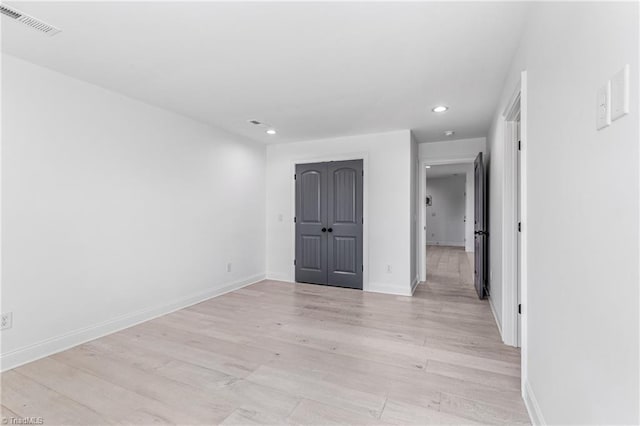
(345, 257)
(345, 224)
(329, 217)
(480, 229)
(311, 253)
(344, 195)
(311, 217)
(311, 194)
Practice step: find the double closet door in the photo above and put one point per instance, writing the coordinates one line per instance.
(329, 223)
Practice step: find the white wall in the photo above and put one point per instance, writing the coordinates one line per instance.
(115, 211)
(445, 217)
(583, 280)
(455, 149)
(387, 201)
(470, 196)
(413, 248)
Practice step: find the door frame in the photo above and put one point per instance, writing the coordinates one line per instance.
(510, 272)
(422, 209)
(365, 206)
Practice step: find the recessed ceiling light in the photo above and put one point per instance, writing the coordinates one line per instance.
(440, 108)
(449, 133)
(428, 167)
(271, 132)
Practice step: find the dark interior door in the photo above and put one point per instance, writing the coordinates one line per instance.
(311, 220)
(480, 229)
(329, 218)
(344, 214)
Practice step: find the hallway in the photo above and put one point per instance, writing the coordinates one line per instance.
(450, 275)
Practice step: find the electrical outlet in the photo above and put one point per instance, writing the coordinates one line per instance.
(389, 269)
(6, 321)
(229, 267)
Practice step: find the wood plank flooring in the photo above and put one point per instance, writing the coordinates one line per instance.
(283, 353)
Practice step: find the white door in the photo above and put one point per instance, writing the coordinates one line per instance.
(519, 245)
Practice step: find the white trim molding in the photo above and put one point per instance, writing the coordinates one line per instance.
(387, 288)
(531, 403)
(495, 316)
(524, 234)
(276, 276)
(77, 337)
(510, 220)
(446, 243)
(414, 284)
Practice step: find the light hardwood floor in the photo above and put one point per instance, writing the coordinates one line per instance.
(278, 352)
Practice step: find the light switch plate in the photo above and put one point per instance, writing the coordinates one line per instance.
(620, 93)
(603, 106)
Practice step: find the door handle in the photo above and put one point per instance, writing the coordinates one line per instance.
(481, 233)
(330, 229)
(324, 229)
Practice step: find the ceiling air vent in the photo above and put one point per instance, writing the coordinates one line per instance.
(29, 21)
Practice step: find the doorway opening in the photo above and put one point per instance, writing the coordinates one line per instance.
(514, 221)
(448, 226)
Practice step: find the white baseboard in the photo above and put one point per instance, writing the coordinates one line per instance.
(495, 317)
(388, 289)
(414, 284)
(370, 287)
(276, 276)
(530, 401)
(446, 243)
(65, 341)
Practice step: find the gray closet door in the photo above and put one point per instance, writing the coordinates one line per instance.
(329, 221)
(311, 220)
(344, 213)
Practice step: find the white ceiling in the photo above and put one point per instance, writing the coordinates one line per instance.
(446, 170)
(312, 70)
